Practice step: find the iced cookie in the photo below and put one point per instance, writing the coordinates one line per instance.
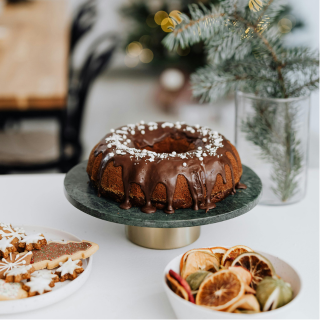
(14, 260)
(47, 274)
(51, 254)
(38, 285)
(11, 291)
(19, 273)
(69, 270)
(33, 241)
(6, 247)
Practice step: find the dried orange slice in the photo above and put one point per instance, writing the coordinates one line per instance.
(179, 286)
(220, 290)
(185, 256)
(247, 302)
(196, 260)
(218, 252)
(232, 253)
(258, 265)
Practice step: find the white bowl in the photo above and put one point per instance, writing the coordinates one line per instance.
(187, 310)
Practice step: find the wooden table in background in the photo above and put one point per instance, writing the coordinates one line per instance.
(34, 56)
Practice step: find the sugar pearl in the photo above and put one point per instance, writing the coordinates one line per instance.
(204, 139)
(125, 143)
(109, 145)
(124, 136)
(173, 153)
(199, 148)
(184, 164)
(200, 158)
(118, 151)
(151, 128)
(143, 132)
(111, 154)
(128, 140)
(132, 132)
(111, 130)
(142, 122)
(197, 126)
(204, 154)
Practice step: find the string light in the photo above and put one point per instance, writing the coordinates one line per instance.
(146, 56)
(134, 49)
(159, 16)
(167, 25)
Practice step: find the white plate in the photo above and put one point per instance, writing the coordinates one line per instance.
(186, 310)
(61, 290)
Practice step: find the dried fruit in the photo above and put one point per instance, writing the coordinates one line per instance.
(199, 260)
(273, 293)
(220, 290)
(232, 253)
(245, 276)
(258, 265)
(218, 252)
(248, 302)
(195, 279)
(179, 286)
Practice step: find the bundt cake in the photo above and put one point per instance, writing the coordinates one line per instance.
(164, 165)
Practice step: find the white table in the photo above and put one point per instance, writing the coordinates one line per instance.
(126, 279)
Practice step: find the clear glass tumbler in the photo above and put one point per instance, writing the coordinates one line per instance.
(272, 137)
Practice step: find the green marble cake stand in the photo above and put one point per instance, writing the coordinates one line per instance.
(159, 230)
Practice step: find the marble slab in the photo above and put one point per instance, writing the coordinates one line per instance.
(81, 195)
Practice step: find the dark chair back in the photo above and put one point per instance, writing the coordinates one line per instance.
(82, 22)
(97, 60)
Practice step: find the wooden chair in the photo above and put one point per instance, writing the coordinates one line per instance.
(63, 151)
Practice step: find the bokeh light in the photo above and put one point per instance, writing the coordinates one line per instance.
(167, 25)
(145, 40)
(285, 25)
(175, 15)
(134, 49)
(150, 21)
(131, 62)
(146, 56)
(159, 16)
(183, 52)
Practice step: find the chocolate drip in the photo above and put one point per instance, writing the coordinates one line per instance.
(241, 186)
(201, 174)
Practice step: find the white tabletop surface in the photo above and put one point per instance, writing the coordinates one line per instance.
(126, 279)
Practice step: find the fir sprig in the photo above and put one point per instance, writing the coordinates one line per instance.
(245, 51)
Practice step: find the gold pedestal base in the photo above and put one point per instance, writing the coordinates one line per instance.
(162, 238)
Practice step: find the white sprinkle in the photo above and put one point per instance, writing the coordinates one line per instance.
(118, 151)
(197, 126)
(111, 154)
(200, 158)
(128, 140)
(109, 145)
(111, 130)
(125, 143)
(184, 164)
(199, 148)
(204, 139)
(151, 128)
(173, 153)
(132, 132)
(143, 132)
(142, 122)
(204, 154)
(124, 136)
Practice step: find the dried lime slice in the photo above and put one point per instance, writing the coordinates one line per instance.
(258, 265)
(273, 293)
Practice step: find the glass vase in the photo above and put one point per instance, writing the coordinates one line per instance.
(272, 137)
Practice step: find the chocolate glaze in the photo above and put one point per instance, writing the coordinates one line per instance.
(200, 173)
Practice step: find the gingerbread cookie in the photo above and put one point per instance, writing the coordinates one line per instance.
(14, 260)
(11, 291)
(69, 270)
(7, 231)
(38, 285)
(34, 241)
(45, 274)
(6, 247)
(20, 273)
(51, 254)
